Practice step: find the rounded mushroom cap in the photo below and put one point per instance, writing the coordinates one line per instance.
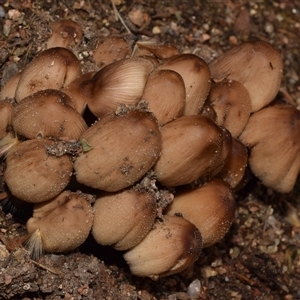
(123, 219)
(234, 169)
(34, 176)
(79, 90)
(121, 82)
(134, 139)
(232, 105)
(196, 76)
(47, 113)
(170, 247)
(168, 105)
(257, 65)
(151, 48)
(65, 33)
(110, 49)
(273, 136)
(61, 224)
(53, 68)
(211, 208)
(192, 147)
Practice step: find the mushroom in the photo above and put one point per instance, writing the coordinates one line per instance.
(166, 105)
(53, 68)
(121, 82)
(151, 48)
(34, 176)
(79, 90)
(211, 208)
(118, 150)
(60, 224)
(47, 113)
(196, 76)
(123, 219)
(192, 147)
(232, 105)
(257, 65)
(65, 33)
(170, 247)
(235, 167)
(224, 155)
(110, 49)
(272, 135)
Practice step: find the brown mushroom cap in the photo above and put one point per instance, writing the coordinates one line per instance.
(170, 247)
(164, 95)
(224, 154)
(65, 33)
(34, 176)
(196, 76)
(53, 68)
(211, 208)
(110, 49)
(151, 48)
(192, 147)
(121, 149)
(47, 113)
(257, 65)
(79, 90)
(60, 224)
(232, 105)
(123, 219)
(273, 136)
(121, 82)
(234, 169)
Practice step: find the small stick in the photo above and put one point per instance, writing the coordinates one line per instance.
(46, 268)
(245, 279)
(118, 16)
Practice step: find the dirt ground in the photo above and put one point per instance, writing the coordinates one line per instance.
(259, 258)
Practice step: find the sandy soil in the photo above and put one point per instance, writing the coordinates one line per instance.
(259, 258)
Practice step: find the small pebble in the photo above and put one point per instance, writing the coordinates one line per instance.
(234, 252)
(217, 262)
(272, 249)
(269, 28)
(156, 30)
(26, 286)
(208, 272)
(194, 289)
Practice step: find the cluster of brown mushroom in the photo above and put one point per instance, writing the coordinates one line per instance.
(154, 174)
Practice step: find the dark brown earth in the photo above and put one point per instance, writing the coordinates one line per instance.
(260, 257)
